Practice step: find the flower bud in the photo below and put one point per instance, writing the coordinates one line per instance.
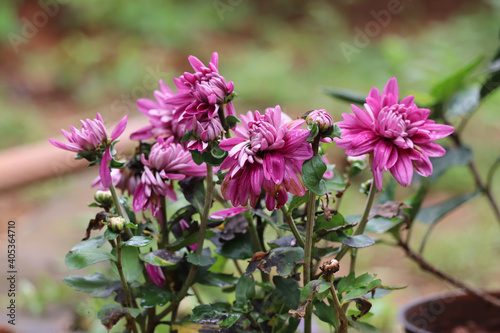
(330, 267)
(322, 118)
(104, 198)
(116, 223)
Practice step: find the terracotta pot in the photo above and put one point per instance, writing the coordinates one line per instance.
(453, 313)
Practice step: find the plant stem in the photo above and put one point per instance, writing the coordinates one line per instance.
(311, 204)
(164, 227)
(197, 294)
(119, 209)
(126, 289)
(199, 245)
(238, 268)
(426, 266)
(362, 223)
(253, 233)
(293, 227)
(479, 183)
(338, 307)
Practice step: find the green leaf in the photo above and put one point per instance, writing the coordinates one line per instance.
(110, 235)
(155, 296)
(160, 258)
(231, 319)
(130, 212)
(215, 279)
(138, 241)
(453, 157)
(84, 257)
(131, 265)
(214, 313)
(200, 259)
(351, 282)
(231, 121)
(312, 174)
(326, 313)
(382, 224)
(285, 259)
(337, 183)
(240, 247)
(287, 291)
(116, 164)
(91, 283)
(297, 202)
(447, 87)
(92, 243)
(194, 192)
(110, 314)
(245, 289)
(346, 95)
(355, 241)
(462, 104)
(215, 156)
(432, 214)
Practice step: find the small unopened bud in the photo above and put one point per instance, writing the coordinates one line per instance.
(330, 267)
(104, 198)
(322, 118)
(116, 223)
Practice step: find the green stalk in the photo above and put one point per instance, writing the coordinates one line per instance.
(254, 234)
(293, 227)
(199, 245)
(164, 227)
(362, 223)
(338, 307)
(311, 204)
(126, 289)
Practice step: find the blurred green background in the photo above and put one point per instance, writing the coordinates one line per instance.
(65, 60)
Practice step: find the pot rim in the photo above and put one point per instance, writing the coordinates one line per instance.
(422, 300)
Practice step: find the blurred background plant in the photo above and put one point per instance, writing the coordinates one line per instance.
(65, 60)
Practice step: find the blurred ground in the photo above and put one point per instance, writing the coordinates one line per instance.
(97, 56)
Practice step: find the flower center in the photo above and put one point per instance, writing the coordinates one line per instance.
(262, 135)
(392, 122)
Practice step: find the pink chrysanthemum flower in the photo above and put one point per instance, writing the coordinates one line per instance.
(167, 161)
(161, 117)
(266, 153)
(200, 95)
(126, 179)
(92, 142)
(397, 135)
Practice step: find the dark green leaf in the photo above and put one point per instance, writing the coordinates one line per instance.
(245, 289)
(281, 242)
(138, 241)
(462, 104)
(200, 259)
(110, 314)
(346, 95)
(337, 183)
(454, 156)
(161, 258)
(434, 213)
(92, 243)
(312, 174)
(287, 291)
(84, 257)
(297, 202)
(213, 313)
(130, 212)
(188, 136)
(355, 241)
(116, 164)
(231, 319)
(110, 235)
(447, 87)
(240, 247)
(194, 191)
(91, 283)
(155, 296)
(326, 313)
(313, 132)
(382, 224)
(351, 282)
(217, 279)
(231, 121)
(131, 265)
(285, 259)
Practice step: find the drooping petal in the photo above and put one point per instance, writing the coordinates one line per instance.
(403, 170)
(119, 129)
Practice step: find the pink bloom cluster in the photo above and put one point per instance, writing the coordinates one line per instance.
(92, 143)
(266, 153)
(195, 107)
(161, 117)
(167, 161)
(397, 135)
